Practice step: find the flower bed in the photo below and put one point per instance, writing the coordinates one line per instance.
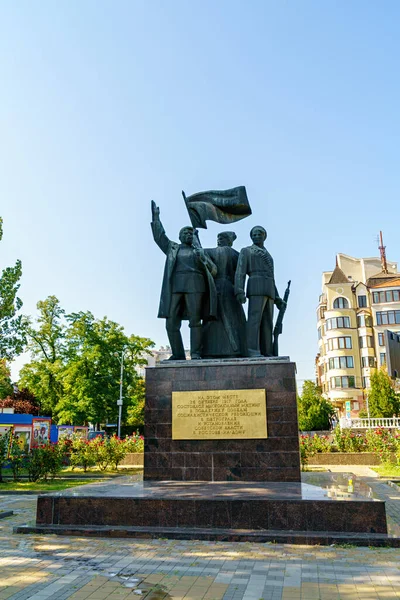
(46, 461)
(382, 444)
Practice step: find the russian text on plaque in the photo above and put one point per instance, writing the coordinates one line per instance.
(219, 414)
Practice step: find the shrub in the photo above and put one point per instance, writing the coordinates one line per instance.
(306, 449)
(116, 449)
(34, 464)
(101, 452)
(82, 453)
(134, 443)
(4, 445)
(384, 443)
(320, 443)
(53, 459)
(16, 459)
(346, 440)
(44, 461)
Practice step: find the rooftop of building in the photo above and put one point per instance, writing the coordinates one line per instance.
(383, 279)
(338, 276)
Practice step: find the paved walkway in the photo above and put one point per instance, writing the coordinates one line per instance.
(56, 568)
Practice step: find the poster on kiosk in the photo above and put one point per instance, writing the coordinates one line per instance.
(40, 432)
(23, 436)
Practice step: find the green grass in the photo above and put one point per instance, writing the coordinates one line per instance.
(43, 486)
(79, 471)
(96, 471)
(312, 469)
(387, 470)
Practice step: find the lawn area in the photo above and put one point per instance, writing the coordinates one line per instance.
(54, 485)
(387, 470)
(95, 471)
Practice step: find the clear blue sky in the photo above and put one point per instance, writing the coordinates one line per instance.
(106, 105)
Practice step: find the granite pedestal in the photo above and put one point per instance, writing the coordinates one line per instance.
(275, 458)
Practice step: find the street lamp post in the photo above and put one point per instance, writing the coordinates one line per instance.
(120, 400)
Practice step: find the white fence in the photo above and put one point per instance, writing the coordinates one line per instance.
(393, 422)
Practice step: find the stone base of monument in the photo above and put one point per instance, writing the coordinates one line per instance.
(221, 462)
(222, 445)
(229, 511)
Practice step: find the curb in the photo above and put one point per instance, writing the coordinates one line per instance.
(6, 513)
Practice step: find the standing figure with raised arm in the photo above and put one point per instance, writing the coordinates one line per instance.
(188, 289)
(256, 262)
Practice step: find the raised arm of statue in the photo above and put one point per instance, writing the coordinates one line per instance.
(240, 276)
(159, 235)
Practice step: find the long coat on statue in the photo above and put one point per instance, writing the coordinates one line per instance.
(171, 249)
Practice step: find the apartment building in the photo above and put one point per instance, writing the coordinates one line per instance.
(358, 318)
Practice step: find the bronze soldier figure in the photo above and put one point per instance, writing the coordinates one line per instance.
(256, 262)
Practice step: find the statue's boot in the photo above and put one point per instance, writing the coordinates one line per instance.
(175, 341)
(195, 342)
(253, 353)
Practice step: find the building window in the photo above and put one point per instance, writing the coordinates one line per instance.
(339, 343)
(364, 321)
(388, 296)
(341, 303)
(321, 313)
(319, 333)
(362, 301)
(388, 317)
(366, 341)
(342, 382)
(382, 357)
(338, 323)
(366, 382)
(381, 339)
(341, 362)
(368, 361)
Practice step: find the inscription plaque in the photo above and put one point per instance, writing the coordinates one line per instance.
(219, 414)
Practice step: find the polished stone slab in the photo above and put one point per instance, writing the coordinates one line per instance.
(213, 506)
(130, 487)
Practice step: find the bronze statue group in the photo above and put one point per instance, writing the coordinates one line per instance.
(208, 288)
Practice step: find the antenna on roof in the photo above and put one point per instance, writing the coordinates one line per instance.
(382, 250)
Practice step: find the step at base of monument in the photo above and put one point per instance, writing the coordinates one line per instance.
(219, 535)
(209, 507)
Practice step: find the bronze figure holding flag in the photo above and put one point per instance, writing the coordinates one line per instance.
(203, 286)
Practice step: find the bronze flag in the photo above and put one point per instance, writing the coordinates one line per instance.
(222, 206)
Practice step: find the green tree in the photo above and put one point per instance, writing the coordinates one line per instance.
(12, 337)
(382, 398)
(46, 343)
(92, 373)
(314, 411)
(6, 387)
(135, 411)
(75, 370)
